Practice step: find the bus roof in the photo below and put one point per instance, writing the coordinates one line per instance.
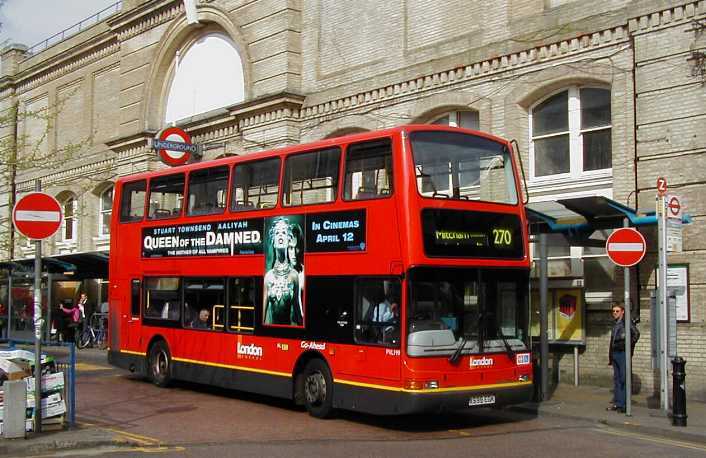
(319, 144)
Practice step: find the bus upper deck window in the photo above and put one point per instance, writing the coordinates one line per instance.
(166, 196)
(255, 185)
(207, 191)
(311, 178)
(368, 170)
(132, 202)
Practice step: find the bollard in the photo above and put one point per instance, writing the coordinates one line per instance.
(678, 392)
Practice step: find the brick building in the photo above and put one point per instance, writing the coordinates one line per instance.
(603, 97)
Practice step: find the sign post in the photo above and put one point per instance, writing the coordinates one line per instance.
(626, 247)
(37, 216)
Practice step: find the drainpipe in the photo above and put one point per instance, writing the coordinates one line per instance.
(12, 166)
(634, 140)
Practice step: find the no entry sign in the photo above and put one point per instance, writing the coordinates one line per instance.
(626, 247)
(37, 215)
(174, 146)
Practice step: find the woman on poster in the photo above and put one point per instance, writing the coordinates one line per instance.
(281, 299)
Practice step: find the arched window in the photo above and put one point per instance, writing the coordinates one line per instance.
(466, 119)
(105, 211)
(571, 133)
(69, 226)
(209, 75)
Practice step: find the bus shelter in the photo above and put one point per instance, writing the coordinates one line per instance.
(62, 277)
(560, 315)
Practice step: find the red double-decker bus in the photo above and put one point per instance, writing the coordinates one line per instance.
(384, 272)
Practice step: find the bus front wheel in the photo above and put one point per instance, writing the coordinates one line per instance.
(160, 364)
(318, 389)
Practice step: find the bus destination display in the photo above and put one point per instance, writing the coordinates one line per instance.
(456, 233)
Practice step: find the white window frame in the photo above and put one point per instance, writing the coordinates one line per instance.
(575, 139)
(102, 211)
(455, 118)
(72, 219)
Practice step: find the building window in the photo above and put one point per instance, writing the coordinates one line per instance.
(208, 75)
(70, 224)
(105, 211)
(465, 119)
(571, 134)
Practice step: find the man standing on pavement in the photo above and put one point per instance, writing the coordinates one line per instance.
(616, 355)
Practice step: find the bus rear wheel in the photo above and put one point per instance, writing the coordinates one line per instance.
(318, 389)
(160, 364)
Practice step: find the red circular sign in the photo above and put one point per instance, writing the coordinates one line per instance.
(175, 157)
(674, 206)
(626, 247)
(37, 215)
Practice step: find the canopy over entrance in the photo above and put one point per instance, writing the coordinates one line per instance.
(78, 266)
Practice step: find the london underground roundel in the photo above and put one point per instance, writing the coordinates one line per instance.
(626, 247)
(37, 215)
(174, 146)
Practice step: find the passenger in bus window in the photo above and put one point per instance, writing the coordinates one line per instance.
(387, 314)
(203, 321)
(281, 294)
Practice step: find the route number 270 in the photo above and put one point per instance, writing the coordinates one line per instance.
(502, 237)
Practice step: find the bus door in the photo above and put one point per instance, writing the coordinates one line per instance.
(131, 317)
(376, 354)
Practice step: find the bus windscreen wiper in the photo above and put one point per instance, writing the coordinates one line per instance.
(453, 359)
(508, 347)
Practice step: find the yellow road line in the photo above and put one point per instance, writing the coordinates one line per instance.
(661, 441)
(136, 437)
(91, 367)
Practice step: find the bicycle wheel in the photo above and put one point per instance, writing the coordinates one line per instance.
(85, 339)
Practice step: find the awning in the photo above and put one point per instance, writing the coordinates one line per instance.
(79, 266)
(577, 218)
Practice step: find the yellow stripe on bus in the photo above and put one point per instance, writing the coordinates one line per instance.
(350, 382)
(228, 366)
(138, 353)
(435, 390)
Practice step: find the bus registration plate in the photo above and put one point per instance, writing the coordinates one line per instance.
(482, 400)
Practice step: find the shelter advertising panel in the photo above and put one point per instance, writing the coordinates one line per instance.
(565, 316)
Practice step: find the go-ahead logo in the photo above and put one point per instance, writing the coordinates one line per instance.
(249, 350)
(481, 362)
(313, 345)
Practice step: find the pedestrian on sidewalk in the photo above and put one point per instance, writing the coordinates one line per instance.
(616, 355)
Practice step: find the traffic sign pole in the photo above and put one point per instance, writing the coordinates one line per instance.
(628, 340)
(38, 328)
(662, 290)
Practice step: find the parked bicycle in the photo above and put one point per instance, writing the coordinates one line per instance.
(93, 334)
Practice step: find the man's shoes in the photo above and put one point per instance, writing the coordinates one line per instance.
(612, 407)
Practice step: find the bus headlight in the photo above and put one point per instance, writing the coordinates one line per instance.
(413, 384)
(524, 378)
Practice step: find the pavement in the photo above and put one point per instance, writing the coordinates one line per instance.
(586, 403)
(589, 403)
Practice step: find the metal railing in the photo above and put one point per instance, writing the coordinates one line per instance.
(76, 28)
